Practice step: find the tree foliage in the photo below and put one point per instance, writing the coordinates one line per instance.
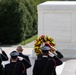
(18, 20)
(10, 26)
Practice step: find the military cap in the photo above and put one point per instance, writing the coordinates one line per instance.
(45, 48)
(14, 53)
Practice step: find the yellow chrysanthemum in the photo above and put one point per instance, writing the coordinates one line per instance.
(41, 41)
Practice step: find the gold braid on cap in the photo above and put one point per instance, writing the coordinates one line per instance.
(41, 41)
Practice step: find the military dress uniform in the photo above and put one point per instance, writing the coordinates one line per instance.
(26, 65)
(3, 57)
(14, 67)
(56, 59)
(25, 57)
(25, 61)
(45, 65)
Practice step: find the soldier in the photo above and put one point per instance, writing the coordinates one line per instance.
(14, 67)
(45, 65)
(55, 52)
(25, 58)
(3, 57)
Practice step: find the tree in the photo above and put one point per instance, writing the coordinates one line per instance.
(11, 30)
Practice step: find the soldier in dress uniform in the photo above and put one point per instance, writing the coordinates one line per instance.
(56, 53)
(25, 63)
(3, 57)
(46, 65)
(14, 67)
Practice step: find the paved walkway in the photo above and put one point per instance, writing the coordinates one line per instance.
(69, 68)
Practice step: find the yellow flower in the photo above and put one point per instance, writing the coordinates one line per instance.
(41, 41)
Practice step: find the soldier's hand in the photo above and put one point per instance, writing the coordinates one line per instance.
(54, 49)
(20, 58)
(51, 54)
(1, 49)
(0, 52)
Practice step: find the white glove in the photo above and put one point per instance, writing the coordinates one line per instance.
(53, 48)
(51, 54)
(20, 58)
(55, 53)
(1, 49)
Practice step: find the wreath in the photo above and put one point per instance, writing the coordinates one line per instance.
(41, 41)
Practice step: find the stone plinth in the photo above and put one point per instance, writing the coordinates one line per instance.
(57, 19)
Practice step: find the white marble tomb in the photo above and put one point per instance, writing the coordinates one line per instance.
(57, 19)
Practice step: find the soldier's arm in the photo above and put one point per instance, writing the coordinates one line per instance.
(26, 63)
(35, 69)
(25, 57)
(57, 60)
(59, 55)
(4, 71)
(4, 56)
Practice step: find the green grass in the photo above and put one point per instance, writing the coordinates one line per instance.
(28, 40)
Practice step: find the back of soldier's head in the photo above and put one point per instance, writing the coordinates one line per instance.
(45, 50)
(14, 55)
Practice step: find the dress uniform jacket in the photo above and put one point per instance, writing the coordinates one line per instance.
(60, 56)
(3, 57)
(24, 61)
(13, 68)
(26, 65)
(56, 58)
(45, 66)
(57, 62)
(25, 57)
